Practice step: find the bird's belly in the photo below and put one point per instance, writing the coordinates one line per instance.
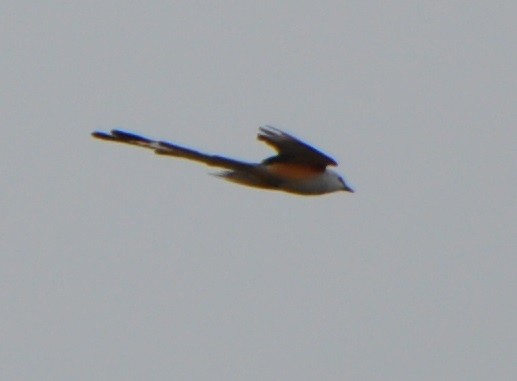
(293, 171)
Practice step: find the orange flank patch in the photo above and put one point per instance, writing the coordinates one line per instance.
(293, 171)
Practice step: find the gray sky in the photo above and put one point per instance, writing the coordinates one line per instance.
(116, 264)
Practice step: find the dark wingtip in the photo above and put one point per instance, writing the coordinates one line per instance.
(268, 131)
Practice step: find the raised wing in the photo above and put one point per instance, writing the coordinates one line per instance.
(292, 150)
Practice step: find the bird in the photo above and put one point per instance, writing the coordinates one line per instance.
(297, 168)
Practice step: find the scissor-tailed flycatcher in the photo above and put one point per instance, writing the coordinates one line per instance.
(298, 167)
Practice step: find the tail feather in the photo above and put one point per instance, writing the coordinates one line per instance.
(128, 137)
(170, 149)
(249, 178)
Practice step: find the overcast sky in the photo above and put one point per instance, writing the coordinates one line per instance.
(116, 264)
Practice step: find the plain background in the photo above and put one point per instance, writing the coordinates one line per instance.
(116, 264)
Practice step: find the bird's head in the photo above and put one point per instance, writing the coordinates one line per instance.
(337, 182)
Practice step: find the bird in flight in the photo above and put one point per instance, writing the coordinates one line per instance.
(297, 168)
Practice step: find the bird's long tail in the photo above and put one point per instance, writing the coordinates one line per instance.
(169, 149)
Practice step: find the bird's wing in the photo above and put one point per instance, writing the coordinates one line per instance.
(292, 150)
(169, 149)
